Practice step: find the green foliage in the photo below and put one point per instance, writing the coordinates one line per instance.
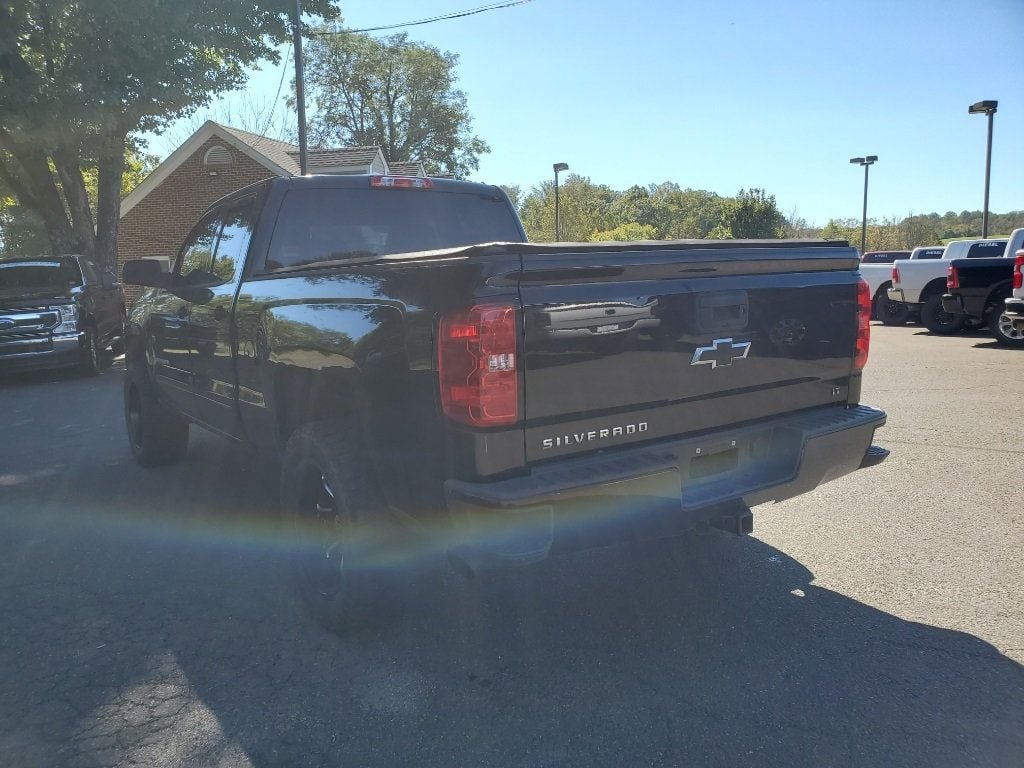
(657, 212)
(395, 93)
(916, 230)
(754, 214)
(78, 77)
(515, 195)
(630, 231)
(584, 208)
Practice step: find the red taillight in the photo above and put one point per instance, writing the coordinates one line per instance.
(895, 276)
(860, 358)
(1018, 271)
(476, 365)
(952, 278)
(401, 182)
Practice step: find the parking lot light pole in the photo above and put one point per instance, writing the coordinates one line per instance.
(985, 108)
(867, 162)
(558, 167)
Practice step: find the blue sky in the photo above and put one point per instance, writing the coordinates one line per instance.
(723, 95)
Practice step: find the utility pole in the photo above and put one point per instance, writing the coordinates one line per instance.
(987, 108)
(300, 95)
(558, 167)
(866, 162)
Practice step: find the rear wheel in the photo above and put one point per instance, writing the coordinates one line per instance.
(156, 434)
(1006, 331)
(89, 364)
(937, 320)
(341, 565)
(118, 346)
(891, 312)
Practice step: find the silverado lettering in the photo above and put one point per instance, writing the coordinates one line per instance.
(579, 438)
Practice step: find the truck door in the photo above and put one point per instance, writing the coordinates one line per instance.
(168, 339)
(210, 330)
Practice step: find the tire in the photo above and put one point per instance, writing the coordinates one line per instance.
(156, 434)
(1001, 325)
(119, 345)
(340, 565)
(937, 320)
(89, 364)
(891, 312)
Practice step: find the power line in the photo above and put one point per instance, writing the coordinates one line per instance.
(280, 84)
(430, 20)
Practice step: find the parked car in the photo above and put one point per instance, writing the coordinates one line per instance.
(877, 272)
(462, 395)
(920, 284)
(58, 311)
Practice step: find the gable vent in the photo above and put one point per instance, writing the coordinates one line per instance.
(216, 156)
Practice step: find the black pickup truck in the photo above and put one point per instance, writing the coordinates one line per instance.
(415, 366)
(58, 311)
(978, 289)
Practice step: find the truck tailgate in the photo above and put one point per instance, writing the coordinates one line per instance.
(624, 344)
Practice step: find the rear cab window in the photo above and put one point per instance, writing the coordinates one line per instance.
(986, 249)
(335, 224)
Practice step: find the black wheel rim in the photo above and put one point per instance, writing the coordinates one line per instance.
(892, 310)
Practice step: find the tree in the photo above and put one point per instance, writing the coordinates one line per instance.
(22, 231)
(631, 231)
(753, 214)
(515, 195)
(395, 93)
(584, 208)
(79, 77)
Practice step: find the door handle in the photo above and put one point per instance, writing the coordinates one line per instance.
(184, 311)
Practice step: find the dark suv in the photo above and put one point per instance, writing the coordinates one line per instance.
(58, 311)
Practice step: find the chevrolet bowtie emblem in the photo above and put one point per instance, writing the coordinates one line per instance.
(721, 352)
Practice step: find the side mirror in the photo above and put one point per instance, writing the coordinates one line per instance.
(144, 272)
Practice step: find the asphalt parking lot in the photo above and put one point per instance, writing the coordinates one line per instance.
(147, 618)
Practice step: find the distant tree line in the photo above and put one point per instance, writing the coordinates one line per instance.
(910, 231)
(666, 211)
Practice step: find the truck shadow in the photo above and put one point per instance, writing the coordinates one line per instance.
(152, 617)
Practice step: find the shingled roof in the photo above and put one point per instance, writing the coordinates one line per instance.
(281, 158)
(279, 152)
(407, 169)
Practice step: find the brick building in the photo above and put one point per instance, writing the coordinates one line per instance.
(215, 161)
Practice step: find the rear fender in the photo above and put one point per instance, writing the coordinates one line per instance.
(997, 297)
(936, 286)
(326, 360)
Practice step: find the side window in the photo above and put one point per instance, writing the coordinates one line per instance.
(196, 256)
(233, 245)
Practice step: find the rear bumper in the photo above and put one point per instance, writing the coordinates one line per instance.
(953, 304)
(662, 488)
(1015, 307)
(898, 294)
(63, 351)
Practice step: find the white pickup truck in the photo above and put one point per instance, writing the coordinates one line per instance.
(920, 284)
(876, 269)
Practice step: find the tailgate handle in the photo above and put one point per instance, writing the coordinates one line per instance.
(722, 311)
